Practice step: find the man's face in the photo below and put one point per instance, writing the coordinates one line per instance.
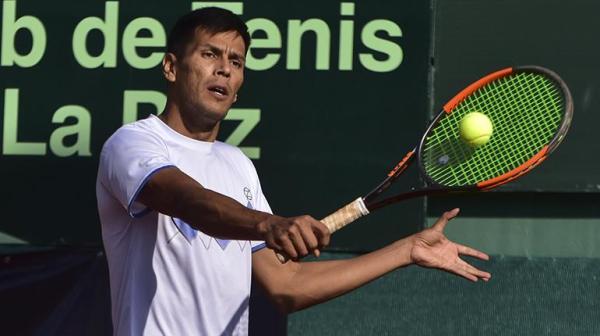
(209, 74)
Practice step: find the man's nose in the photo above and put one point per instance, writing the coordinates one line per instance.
(224, 68)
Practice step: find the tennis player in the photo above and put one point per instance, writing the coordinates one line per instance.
(185, 222)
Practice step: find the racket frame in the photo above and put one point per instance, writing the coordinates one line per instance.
(433, 188)
(362, 206)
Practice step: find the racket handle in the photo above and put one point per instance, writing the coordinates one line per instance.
(346, 215)
(337, 220)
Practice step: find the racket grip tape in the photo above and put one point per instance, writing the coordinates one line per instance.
(346, 215)
(342, 217)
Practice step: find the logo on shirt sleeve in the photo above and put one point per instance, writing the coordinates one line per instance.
(248, 195)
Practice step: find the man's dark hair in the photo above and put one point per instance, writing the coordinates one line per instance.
(212, 20)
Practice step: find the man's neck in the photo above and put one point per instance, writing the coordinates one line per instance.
(173, 117)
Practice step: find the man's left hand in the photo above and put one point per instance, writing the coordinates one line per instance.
(432, 249)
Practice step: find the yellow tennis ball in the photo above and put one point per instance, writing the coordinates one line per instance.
(475, 129)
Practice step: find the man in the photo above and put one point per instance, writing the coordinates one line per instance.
(183, 216)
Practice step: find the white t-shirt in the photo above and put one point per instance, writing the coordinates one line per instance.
(165, 277)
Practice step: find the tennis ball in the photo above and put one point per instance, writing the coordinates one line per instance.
(475, 129)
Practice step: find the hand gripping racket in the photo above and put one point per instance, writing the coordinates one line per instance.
(531, 110)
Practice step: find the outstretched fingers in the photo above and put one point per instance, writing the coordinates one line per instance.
(463, 273)
(465, 250)
(472, 272)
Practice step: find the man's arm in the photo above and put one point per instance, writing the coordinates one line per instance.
(172, 192)
(297, 285)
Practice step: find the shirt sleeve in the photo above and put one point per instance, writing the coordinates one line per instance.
(260, 204)
(127, 161)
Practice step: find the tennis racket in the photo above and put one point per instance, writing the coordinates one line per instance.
(530, 108)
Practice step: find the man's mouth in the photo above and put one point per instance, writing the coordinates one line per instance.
(220, 91)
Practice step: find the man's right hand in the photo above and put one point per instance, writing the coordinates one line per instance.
(294, 237)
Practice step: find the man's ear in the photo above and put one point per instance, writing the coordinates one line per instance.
(169, 67)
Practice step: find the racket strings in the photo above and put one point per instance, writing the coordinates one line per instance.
(509, 157)
(505, 102)
(526, 112)
(529, 103)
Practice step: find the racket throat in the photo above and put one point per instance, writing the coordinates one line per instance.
(392, 176)
(432, 191)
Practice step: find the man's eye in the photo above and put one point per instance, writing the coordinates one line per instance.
(209, 54)
(236, 64)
